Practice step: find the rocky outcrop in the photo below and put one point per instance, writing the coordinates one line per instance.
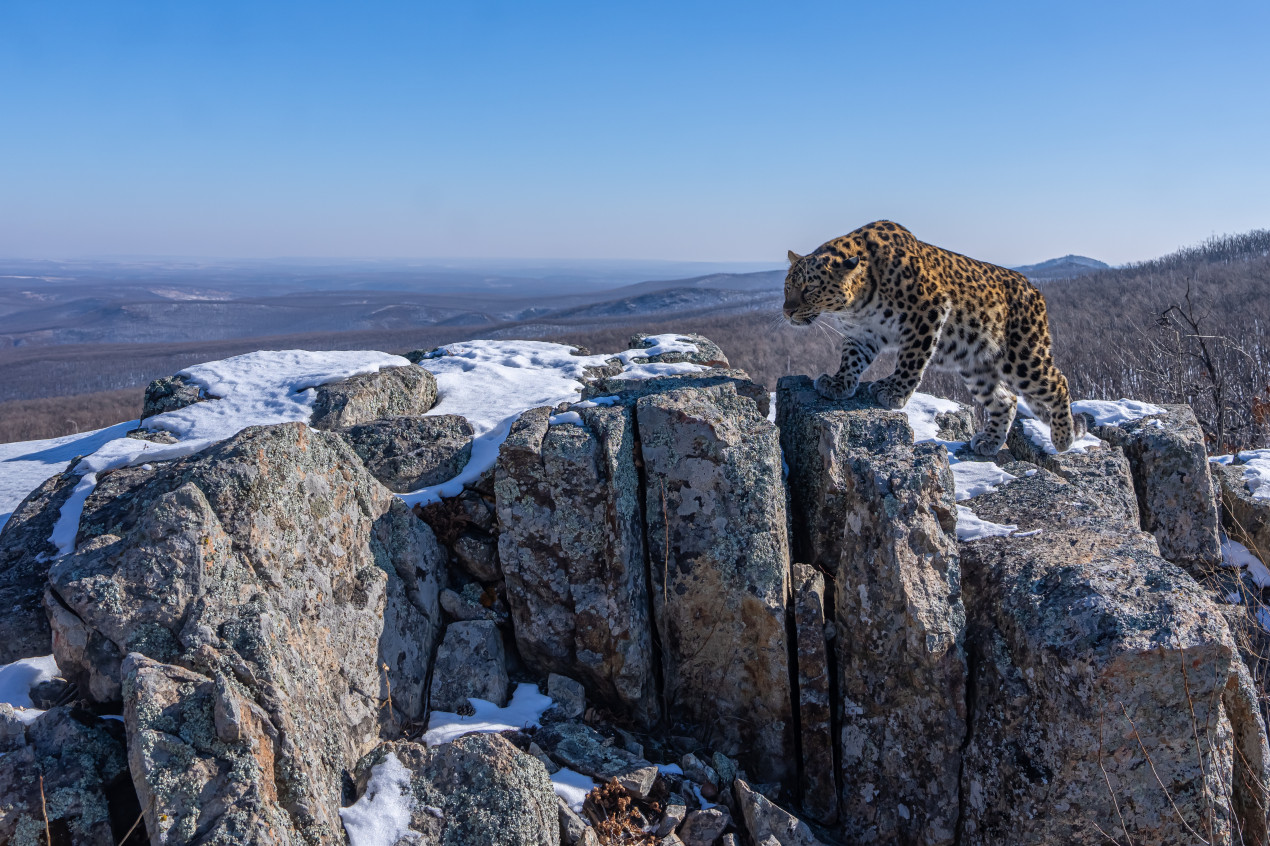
(390, 392)
(170, 394)
(719, 560)
(1173, 484)
(479, 790)
(629, 390)
(408, 453)
(572, 549)
(707, 352)
(272, 572)
(1096, 714)
(898, 611)
(69, 767)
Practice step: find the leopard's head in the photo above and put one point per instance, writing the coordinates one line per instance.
(823, 282)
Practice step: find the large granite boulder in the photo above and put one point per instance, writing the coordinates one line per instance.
(478, 790)
(408, 453)
(571, 548)
(898, 611)
(273, 560)
(71, 767)
(1108, 696)
(1174, 487)
(629, 390)
(25, 553)
(714, 502)
(390, 392)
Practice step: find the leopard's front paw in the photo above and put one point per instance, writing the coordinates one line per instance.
(988, 447)
(888, 395)
(835, 388)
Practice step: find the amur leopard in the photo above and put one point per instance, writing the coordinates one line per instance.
(887, 291)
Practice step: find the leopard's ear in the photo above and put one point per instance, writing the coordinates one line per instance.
(794, 258)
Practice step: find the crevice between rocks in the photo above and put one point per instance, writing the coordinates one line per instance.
(654, 628)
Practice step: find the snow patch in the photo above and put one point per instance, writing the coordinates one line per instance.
(565, 417)
(572, 787)
(17, 679)
(1115, 412)
(1234, 554)
(970, 527)
(1039, 434)
(771, 407)
(1256, 463)
(525, 710)
(921, 410)
(975, 478)
(382, 816)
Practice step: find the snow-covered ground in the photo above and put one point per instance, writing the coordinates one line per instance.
(1235, 554)
(1256, 466)
(382, 816)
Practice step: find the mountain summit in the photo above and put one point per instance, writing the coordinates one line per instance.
(1067, 267)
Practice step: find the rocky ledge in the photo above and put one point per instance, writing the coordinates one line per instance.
(659, 616)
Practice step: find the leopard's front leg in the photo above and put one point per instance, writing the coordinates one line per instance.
(918, 340)
(857, 355)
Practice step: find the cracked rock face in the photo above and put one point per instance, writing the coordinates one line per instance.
(1092, 654)
(572, 550)
(25, 553)
(879, 515)
(719, 558)
(273, 574)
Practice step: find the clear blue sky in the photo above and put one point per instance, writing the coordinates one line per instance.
(690, 131)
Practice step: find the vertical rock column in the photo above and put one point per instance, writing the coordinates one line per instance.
(815, 698)
(878, 513)
(572, 551)
(719, 559)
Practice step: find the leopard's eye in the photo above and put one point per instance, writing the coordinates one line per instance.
(852, 262)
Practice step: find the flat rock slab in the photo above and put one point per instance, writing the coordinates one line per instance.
(390, 392)
(408, 453)
(719, 558)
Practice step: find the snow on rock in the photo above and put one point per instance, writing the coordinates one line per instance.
(1235, 554)
(975, 478)
(572, 787)
(921, 410)
(972, 478)
(525, 710)
(17, 679)
(1039, 433)
(1115, 412)
(492, 383)
(1256, 465)
(256, 389)
(382, 816)
(971, 527)
(566, 417)
(25, 465)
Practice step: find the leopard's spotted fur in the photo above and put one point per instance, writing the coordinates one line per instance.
(889, 291)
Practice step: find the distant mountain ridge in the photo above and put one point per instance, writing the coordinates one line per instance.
(1066, 267)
